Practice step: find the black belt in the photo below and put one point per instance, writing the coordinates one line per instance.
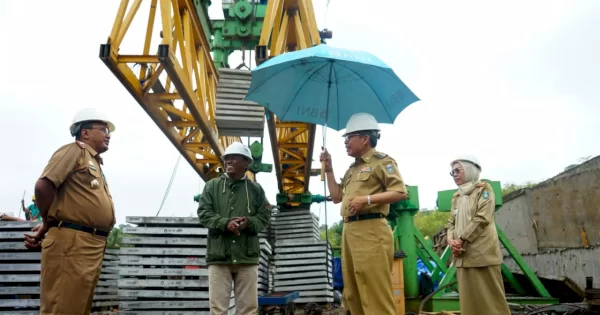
(78, 227)
(364, 217)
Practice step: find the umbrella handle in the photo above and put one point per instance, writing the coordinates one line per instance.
(322, 172)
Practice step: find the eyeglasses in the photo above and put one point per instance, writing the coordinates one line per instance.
(455, 171)
(103, 129)
(350, 136)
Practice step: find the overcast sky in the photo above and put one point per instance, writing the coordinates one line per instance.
(513, 82)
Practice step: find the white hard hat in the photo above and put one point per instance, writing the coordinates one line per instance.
(360, 122)
(90, 114)
(238, 148)
(468, 158)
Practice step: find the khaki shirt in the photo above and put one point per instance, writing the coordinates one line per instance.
(373, 173)
(480, 238)
(82, 194)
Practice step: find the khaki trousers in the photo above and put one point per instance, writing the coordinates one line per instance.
(367, 258)
(71, 265)
(245, 281)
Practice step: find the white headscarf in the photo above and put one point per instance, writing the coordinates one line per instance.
(463, 216)
(471, 177)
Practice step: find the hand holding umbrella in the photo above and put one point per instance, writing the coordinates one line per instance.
(326, 165)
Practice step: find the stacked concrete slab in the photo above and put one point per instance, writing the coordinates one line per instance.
(264, 266)
(302, 261)
(265, 282)
(20, 274)
(298, 225)
(235, 116)
(19, 270)
(162, 267)
(107, 293)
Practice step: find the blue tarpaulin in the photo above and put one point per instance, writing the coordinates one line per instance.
(338, 283)
(422, 268)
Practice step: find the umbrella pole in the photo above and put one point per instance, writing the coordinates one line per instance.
(325, 126)
(325, 194)
(323, 164)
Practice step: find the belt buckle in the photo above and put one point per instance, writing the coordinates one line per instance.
(94, 231)
(59, 224)
(346, 220)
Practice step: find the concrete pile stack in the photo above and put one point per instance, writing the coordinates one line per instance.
(107, 293)
(20, 274)
(303, 262)
(163, 268)
(19, 270)
(263, 267)
(235, 116)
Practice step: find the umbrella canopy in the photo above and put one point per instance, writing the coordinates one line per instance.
(325, 85)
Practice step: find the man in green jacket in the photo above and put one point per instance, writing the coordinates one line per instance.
(234, 209)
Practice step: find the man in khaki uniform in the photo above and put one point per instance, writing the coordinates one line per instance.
(77, 215)
(371, 183)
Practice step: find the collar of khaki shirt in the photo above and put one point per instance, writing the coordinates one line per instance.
(91, 150)
(366, 157)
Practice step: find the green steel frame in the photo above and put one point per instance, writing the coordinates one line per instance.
(240, 30)
(410, 240)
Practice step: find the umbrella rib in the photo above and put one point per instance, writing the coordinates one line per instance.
(369, 85)
(274, 75)
(337, 97)
(300, 89)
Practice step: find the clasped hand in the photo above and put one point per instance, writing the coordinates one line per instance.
(237, 224)
(457, 247)
(35, 242)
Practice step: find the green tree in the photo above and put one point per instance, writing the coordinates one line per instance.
(510, 187)
(334, 233)
(115, 237)
(430, 222)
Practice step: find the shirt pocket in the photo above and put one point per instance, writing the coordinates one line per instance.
(216, 247)
(252, 245)
(363, 177)
(93, 172)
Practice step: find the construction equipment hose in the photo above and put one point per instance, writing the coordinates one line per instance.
(440, 288)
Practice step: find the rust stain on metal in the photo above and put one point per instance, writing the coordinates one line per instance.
(584, 239)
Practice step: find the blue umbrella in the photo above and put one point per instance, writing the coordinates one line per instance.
(324, 85)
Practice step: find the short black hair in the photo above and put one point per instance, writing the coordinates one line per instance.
(373, 135)
(85, 125)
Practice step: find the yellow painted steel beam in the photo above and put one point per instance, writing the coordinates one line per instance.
(290, 25)
(176, 83)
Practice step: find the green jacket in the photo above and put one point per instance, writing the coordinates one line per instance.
(222, 199)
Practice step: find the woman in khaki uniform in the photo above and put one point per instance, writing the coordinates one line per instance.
(474, 242)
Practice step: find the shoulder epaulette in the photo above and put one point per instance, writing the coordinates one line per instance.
(380, 155)
(482, 184)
